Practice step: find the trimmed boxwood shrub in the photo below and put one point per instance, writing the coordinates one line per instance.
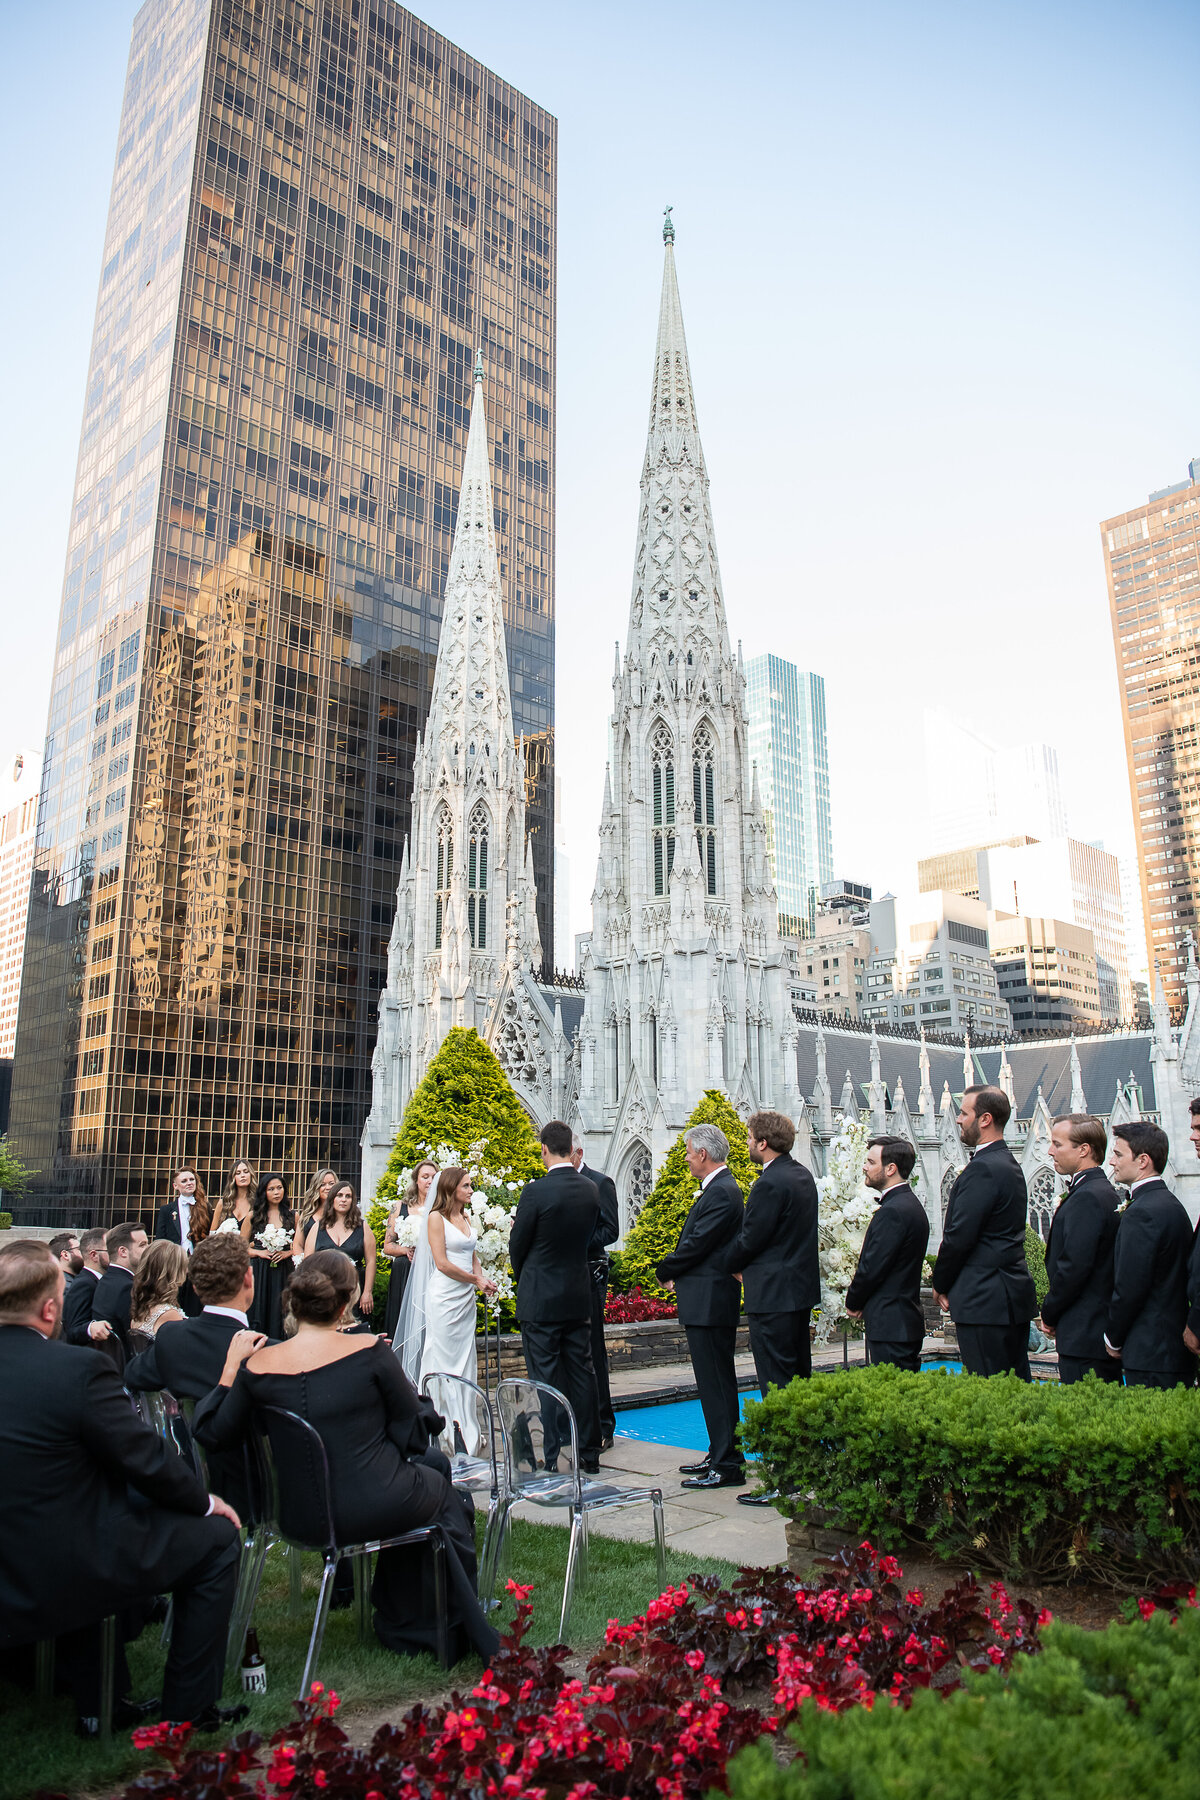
(656, 1230)
(1032, 1480)
(1105, 1714)
(1035, 1257)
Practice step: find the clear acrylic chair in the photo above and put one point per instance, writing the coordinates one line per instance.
(302, 1516)
(523, 1405)
(473, 1442)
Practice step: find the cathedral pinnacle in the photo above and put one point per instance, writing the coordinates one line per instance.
(479, 364)
(668, 226)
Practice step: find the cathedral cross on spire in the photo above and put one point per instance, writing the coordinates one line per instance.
(668, 225)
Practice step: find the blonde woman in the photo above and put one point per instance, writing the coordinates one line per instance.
(410, 1206)
(313, 1203)
(154, 1299)
(237, 1198)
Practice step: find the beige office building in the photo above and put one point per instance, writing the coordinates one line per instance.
(1046, 971)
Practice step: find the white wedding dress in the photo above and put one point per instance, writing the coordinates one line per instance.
(436, 1332)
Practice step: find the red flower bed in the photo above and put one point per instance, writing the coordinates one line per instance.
(654, 1717)
(634, 1308)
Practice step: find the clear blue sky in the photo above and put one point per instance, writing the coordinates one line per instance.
(940, 269)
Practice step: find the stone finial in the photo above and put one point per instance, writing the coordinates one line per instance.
(479, 364)
(1077, 1102)
(668, 225)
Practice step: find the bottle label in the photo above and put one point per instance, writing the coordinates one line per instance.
(254, 1680)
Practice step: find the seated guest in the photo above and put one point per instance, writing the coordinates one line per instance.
(385, 1477)
(1148, 1311)
(64, 1248)
(188, 1355)
(1079, 1254)
(71, 1449)
(154, 1297)
(113, 1299)
(77, 1305)
(886, 1289)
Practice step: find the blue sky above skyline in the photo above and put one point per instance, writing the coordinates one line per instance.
(939, 267)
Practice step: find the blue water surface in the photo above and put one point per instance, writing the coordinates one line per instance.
(681, 1422)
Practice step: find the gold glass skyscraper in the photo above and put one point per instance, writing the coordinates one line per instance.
(318, 213)
(1150, 555)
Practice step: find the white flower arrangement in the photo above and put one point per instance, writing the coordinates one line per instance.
(845, 1212)
(274, 1239)
(490, 1212)
(228, 1225)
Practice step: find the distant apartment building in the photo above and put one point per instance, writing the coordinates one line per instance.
(1046, 972)
(833, 961)
(1152, 562)
(931, 965)
(1079, 883)
(19, 781)
(788, 743)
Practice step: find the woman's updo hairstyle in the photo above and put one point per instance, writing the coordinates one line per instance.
(322, 1287)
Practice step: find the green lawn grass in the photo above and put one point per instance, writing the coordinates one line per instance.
(41, 1751)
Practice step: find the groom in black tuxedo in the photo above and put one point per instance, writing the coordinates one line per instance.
(551, 1234)
(708, 1300)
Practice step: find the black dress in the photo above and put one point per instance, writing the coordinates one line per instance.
(270, 1283)
(355, 1247)
(385, 1480)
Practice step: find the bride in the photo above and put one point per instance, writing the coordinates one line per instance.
(435, 1334)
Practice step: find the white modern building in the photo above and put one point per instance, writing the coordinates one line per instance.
(1062, 878)
(931, 966)
(978, 792)
(20, 777)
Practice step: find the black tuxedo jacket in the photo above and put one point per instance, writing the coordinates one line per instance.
(1193, 1318)
(548, 1247)
(1079, 1262)
(168, 1224)
(112, 1300)
(71, 1447)
(608, 1225)
(775, 1250)
(886, 1288)
(705, 1291)
(981, 1263)
(1149, 1306)
(77, 1306)
(186, 1357)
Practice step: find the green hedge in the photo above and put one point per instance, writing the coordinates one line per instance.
(1035, 1256)
(1028, 1479)
(656, 1230)
(1101, 1714)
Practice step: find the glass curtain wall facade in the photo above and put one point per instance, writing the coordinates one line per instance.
(318, 213)
(788, 742)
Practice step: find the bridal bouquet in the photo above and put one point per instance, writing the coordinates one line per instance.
(274, 1239)
(228, 1225)
(490, 1212)
(406, 1232)
(845, 1212)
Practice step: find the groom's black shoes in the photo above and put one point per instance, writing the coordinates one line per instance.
(700, 1468)
(713, 1478)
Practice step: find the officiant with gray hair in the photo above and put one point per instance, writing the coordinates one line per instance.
(708, 1300)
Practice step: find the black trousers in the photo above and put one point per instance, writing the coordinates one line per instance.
(1074, 1368)
(995, 1349)
(559, 1352)
(604, 1405)
(900, 1355)
(1159, 1378)
(780, 1346)
(711, 1348)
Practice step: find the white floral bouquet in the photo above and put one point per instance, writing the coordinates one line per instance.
(845, 1212)
(274, 1239)
(405, 1232)
(228, 1225)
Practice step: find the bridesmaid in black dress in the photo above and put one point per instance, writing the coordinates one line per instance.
(342, 1228)
(272, 1271)
(385, 1477)
(411, 1206)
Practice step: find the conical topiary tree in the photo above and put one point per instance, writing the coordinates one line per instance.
(657, 1228)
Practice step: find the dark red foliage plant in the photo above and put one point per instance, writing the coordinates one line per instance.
(654, 1717)
(635, 1308)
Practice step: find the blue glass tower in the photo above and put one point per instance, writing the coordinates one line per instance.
(788, 743)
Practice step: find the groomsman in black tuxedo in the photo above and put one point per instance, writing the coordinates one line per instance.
(1079, 1255)
(548, 1247)
(1191, 1334)
(1148, 1313)
(126, 1245)
(774, 1254)
(708, 1300)
(608, 1230)
(81, 1295)
(981, 1277)
(886, 1290)
(128, 1518)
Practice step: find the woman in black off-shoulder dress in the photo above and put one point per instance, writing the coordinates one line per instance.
(376, 1432)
